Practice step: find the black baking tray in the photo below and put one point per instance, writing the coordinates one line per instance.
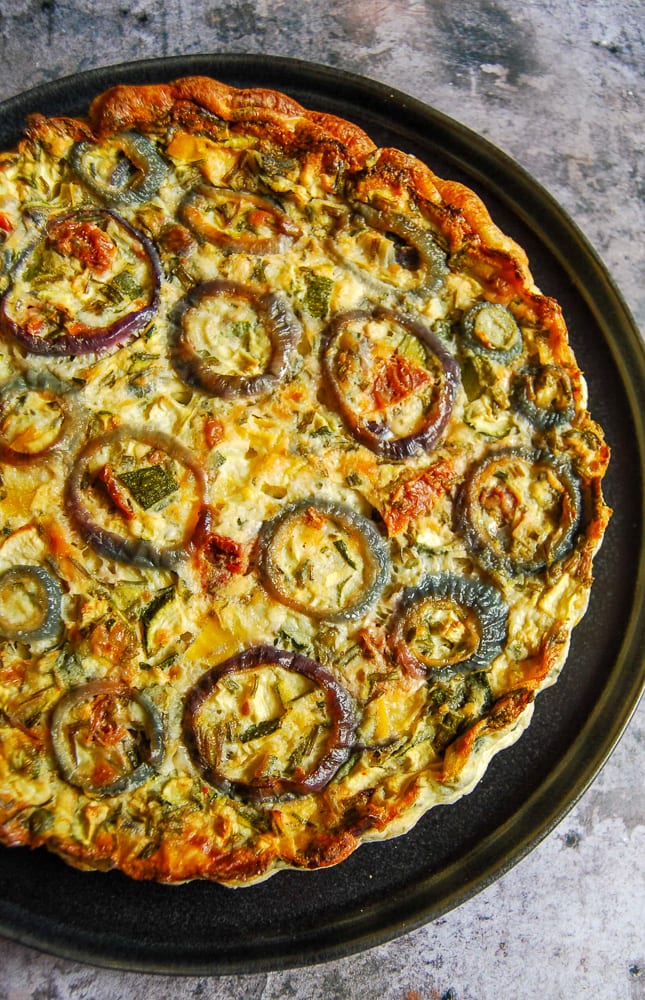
(386, 889)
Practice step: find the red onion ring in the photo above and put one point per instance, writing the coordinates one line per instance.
(282, 328)
(433, 258)
(375, 436)
(68, 344)
(340, 742)
(136, 551)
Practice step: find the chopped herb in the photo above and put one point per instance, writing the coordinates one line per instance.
(241, 329)
(258, 273)
(348, 766)
(178, 271)
(303, 572)
(41, 820)
(317, 294)
(148, 850)
(168, 661)
(443, 329)
(291, 642)
(344, 551)
(304, 748)
(69, 669)
(264, 728)
(470, 380)
(350, 655)
(353, 479)
(149, 485)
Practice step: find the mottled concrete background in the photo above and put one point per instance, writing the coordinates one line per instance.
(558, 84)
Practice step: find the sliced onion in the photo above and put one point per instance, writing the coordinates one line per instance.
(136, 551)
(68, 765)
(432, 257)
(40, 382)
(282, 329)
(197, 203)
(375, 550)
(377, 436)
(340, 740)
(95, 339)
(45, 591)
(123, 188)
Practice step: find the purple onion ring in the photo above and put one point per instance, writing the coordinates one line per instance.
(377, 436)
(136, 551)
(68, 344)
(340, 741)
(282, 328)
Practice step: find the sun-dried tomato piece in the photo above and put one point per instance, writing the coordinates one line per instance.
(417, 496)
(397, 378)
(115, 491)
(83, 239)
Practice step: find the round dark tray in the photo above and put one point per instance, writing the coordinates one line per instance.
(386, 889)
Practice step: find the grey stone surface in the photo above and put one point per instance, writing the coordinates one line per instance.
(558, 84)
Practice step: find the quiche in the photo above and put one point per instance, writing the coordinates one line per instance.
(299, 488)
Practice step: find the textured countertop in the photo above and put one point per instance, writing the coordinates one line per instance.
(559, 86)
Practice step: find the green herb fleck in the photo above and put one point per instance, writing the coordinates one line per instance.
(291, 642)
(123, 286)
(151, 610)
(264, 728)
(344, 551)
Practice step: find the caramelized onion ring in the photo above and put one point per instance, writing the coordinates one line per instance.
(46, 623)
(375, 436)
(66, 760)
(489, 487)
(140, 153)
(282, 328)
(377, 557)
(485, 615)
(39, 382)
(198, 201)
(137, 551)
(340, 740)
(99, 338)
(432, 257)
